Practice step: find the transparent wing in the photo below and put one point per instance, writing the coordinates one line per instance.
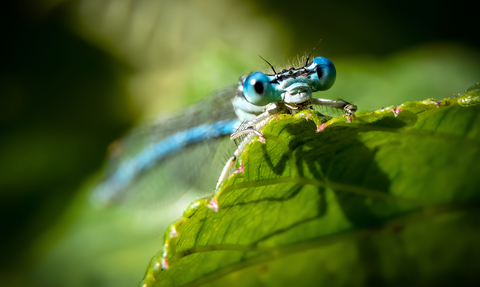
(159, 161)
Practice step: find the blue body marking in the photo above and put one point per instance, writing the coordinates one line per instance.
(153, 153)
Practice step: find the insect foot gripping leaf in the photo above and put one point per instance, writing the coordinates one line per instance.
(388, 199)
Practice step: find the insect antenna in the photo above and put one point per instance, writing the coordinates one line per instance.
(308, 58)
(269, 64)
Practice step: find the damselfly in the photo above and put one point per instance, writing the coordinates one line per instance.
(242, 111)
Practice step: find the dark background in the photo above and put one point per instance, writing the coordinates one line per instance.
(66, 93)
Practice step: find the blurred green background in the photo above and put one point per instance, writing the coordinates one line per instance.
(76, 75)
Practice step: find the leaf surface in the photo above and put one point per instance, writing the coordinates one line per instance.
(390, 198)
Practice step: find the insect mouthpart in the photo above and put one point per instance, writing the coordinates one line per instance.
(297, 93)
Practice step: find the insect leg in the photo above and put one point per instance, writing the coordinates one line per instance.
(348, 108)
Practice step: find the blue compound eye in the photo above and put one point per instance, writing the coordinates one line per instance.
(325, 74)
(258, 90)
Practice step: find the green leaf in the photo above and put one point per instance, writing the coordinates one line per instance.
(390, 198)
